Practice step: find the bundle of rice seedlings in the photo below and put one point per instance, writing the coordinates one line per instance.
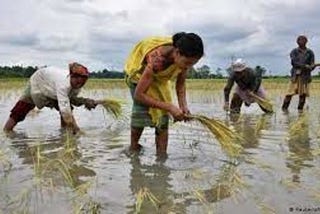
(225, 136)
(266, 104)
(112, 106)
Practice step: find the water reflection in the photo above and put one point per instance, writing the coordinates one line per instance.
(227, 184)
(299, 146)
(249, 127)
(54, 154)
(155, 179)
(55, 167)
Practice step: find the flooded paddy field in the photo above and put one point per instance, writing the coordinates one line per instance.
(42, 170)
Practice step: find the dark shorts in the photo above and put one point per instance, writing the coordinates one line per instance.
(20, 110)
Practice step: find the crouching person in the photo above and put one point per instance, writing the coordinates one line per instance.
(248, 81)
(54, 88)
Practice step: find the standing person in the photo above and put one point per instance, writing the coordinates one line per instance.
(248, 81)
(149, 69)
(302, 61)
(54, 88)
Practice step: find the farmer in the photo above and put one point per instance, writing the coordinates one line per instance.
(302, 61)
(54, 88)
(149, 69)
(248, 81)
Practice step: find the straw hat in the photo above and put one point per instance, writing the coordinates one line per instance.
(238, 65)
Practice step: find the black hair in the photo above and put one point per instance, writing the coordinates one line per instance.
(302, 37)
(189, 44)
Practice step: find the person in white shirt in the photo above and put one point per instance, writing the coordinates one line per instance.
(54, 88)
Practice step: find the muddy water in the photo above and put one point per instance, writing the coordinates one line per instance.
(44, 171)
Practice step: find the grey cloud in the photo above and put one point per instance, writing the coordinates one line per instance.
(218, 31)
(261, 31)
(127, 36)
(57, 43)
(224, 35)
(110, 48)
(21, 39)
(287, 20)
(75, 1)
(40, 42)
(84, 8)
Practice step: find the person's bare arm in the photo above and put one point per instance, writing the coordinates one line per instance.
(226, 92)
(154, 64)
(65, 109)
(181, 92)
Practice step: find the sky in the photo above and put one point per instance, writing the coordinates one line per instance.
(101, 33)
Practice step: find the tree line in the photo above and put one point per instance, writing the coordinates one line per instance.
(203, 72)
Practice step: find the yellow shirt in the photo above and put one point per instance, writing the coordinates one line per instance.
(160, 89)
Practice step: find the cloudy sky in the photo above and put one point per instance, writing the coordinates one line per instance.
(101, 33)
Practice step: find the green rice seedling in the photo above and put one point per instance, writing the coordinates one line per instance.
(65, 171)
(112, 106)
(143, 194)
(266, 104)
(289, 183)
(83, 202)
(22, 201)
(258, 163)
(260, 125)
(266, 209)
(44, 166)
(51, 170)
(315, 194)
(4, 161)
(200, 196)
(37, 162)
(90, 207)
(225, 136)
(83, 188)
(232, 185)
(197, 174)
(316, 152)
(228, 183)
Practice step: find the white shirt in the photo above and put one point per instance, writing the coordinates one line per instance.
(52, 83)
